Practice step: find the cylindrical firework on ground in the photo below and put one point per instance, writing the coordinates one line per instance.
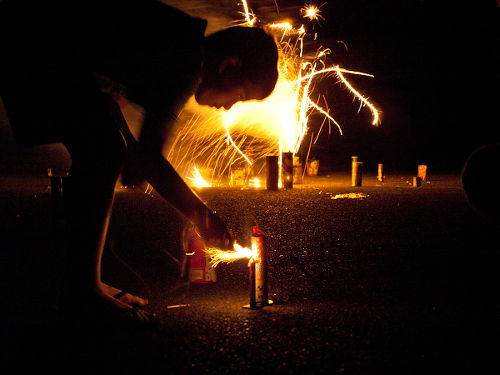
(357, 171)
(272, 172)
(287, 170)
(259, 295)
(380, 175)
(251, 279)
(260, 268)
(417, 181)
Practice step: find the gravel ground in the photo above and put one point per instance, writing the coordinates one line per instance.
(403, 280)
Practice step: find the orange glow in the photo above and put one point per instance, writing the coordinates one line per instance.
(376, 118)
(249, 16)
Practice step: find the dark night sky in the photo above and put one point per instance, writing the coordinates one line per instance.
(434, 68)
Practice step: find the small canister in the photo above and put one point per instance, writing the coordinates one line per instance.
(287, 170)
(357, 171)
(272, 172)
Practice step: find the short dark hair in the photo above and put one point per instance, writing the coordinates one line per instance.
(257, 50)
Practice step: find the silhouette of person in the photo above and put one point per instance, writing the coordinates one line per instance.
(53, 58)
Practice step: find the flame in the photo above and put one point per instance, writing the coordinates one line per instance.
(350, 196)
(254, 182)
(251, 130)
(218, 256)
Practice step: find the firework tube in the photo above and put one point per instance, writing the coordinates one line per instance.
(353, 170)
(287, 170)
(257, 268)
(251, 271)
(356, 171)
(272, 172)
(261, 290)
(380, 176)
(417, 181)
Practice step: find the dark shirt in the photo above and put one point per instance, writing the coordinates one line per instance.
(50, 52)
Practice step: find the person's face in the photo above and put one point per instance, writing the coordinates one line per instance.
(225, 96)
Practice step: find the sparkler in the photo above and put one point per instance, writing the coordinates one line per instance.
(252, 130)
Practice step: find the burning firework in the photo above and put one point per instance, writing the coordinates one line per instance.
(218, 256)
(242, 137)
(257, 266)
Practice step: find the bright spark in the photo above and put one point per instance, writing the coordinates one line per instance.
(376, 117)
(312, 12)
(218, 256)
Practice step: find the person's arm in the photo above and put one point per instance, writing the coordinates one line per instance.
(155, 169)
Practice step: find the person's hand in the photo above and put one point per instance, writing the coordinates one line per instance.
(214, 231)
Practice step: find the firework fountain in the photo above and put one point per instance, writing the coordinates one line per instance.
(218, 142)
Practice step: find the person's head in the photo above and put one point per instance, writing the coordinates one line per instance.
(241, 63)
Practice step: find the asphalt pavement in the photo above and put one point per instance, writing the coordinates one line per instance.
(396, 279)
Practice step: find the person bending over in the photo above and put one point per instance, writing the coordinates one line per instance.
(53, 58)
